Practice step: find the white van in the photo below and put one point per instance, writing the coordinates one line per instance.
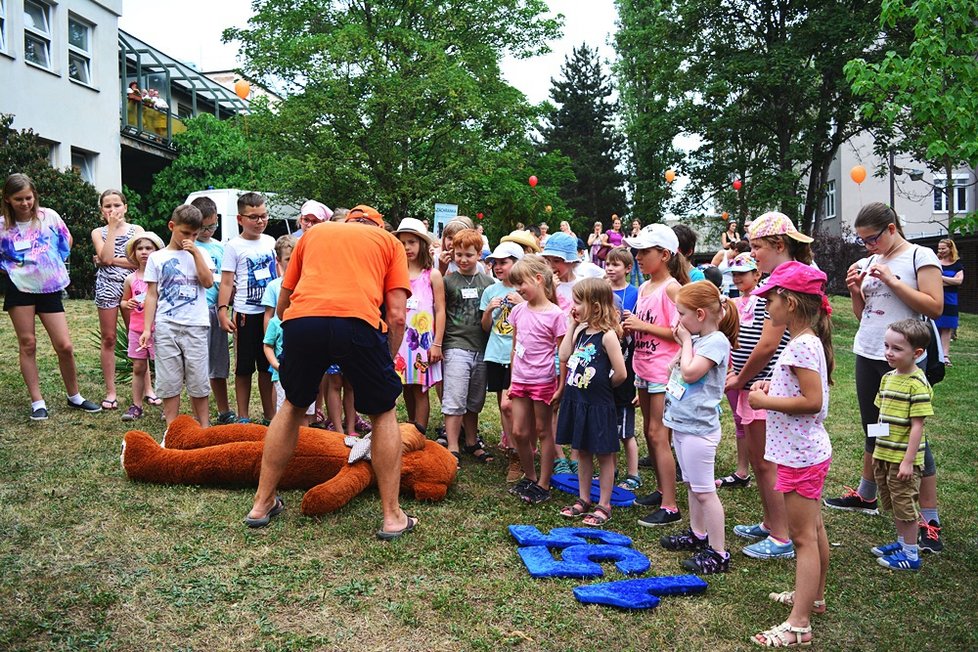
(282, 215)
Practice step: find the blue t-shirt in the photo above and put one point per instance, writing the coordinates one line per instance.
(272, 290)
(500, 345)
(273, 338)
(215, 250)
(697, 412)
(696, 274)
(628, 296)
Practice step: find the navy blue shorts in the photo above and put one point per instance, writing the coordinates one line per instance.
(311, 344)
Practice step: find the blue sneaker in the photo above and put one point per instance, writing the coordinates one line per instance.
(769, 548)
(888, 549)
(899, 561)
(561, 466)
(751, 531)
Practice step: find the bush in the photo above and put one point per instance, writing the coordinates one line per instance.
(834, 254)
(64, 191)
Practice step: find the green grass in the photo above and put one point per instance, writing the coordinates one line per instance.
(92, 560)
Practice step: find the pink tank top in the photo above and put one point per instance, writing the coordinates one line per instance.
(136, 322)
(653, 354)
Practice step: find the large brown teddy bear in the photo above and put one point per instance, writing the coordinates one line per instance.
(223, 456)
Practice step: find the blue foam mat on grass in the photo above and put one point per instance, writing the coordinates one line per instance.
(568, 483)
(639, 593)
(581, 561)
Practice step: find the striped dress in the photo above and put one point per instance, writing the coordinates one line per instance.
(753, 314)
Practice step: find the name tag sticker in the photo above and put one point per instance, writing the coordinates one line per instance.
(470, 293)
(21, 245)
(412, 303)
(878, 430)
(676, 386)
(262, 273)
(520, 350)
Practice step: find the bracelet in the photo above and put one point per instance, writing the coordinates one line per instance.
(219, 308)
(438, 345)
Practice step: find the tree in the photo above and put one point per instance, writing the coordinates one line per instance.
(926, 96)
(582, 127)
(762, 86)
(64, 191)
(395, 103)
(212, 152)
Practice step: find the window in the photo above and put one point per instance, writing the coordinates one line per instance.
(959, 192)
(37, 33)
(83, 163)
(52, 151)
(830, 200)
(79, 50)
(3, 25)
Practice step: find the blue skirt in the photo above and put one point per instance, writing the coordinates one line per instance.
(588, 426)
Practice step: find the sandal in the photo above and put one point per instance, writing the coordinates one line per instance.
(153, 400)
(733, 480)
(783, 635)
(479, 453)
(112, 404)
(598, 517)
(630, 483)
(578, 509)
(788, 598)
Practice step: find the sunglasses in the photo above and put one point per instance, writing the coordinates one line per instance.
(873, 239)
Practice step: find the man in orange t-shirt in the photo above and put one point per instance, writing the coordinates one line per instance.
(339, 275)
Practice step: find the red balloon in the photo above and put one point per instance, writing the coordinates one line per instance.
(532, 181)
(737, 184)
(479, 215)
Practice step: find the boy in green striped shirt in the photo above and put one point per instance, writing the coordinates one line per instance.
(904, 401)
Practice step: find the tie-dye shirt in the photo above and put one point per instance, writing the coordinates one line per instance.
(33, 254)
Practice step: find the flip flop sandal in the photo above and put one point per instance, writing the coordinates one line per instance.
(110, 405)
(384, 535)
(153, 400)
(277, 508)
(577, 510)
(598, 517)
(473, 450)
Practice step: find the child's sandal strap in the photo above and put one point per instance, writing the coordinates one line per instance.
(579, 508)
(598, 517)
(783, 635)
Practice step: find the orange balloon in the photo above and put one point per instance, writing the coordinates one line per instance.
(670, 176)
(724, 215)
(858, 173)
(242, 89)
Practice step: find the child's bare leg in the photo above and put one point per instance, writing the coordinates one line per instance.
(138, 382)
(334, 401)
(523, 435)
(772, 502)
(585, 469)
(408, 393)
(631, 456)
(349, 411)
(453, 425)
(422, 406)
(201, 407)
(171, 408)
(665, 464)
(267, 393)
(803, 519)
(543, 415)
(606, 475)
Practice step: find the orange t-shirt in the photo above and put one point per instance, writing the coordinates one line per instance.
(345, 270)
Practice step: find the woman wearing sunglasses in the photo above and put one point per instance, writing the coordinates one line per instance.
(897, 280)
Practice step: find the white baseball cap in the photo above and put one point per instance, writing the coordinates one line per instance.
(654, 235)
(506, 250)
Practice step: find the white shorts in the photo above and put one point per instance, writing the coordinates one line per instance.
(280, 398)
(463, 382)
(181, 358)
(697, 456)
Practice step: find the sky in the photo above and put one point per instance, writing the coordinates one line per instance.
(190, 30)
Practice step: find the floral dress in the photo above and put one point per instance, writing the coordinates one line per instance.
(412, 363)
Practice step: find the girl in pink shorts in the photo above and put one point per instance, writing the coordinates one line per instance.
(797, 402)
(138, 249)
(538, 326)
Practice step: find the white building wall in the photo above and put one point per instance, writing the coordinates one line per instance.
(912, 200)
(63, 111)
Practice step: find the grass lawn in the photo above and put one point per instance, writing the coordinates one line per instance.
(92, 560)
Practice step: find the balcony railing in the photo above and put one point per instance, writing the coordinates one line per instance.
(152, 124)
